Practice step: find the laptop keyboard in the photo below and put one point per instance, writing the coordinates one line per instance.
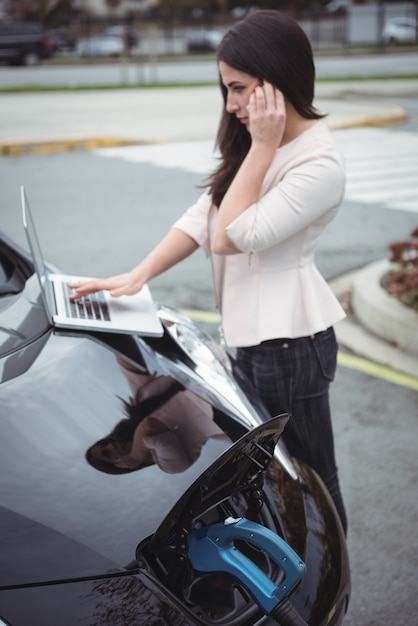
(92, 307)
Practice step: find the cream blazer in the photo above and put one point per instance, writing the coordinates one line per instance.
(273, 288)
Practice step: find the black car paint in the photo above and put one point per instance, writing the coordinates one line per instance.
(70, 533)
(23, 43)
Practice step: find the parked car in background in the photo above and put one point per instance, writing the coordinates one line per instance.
(104, 45)
(60, 40)
(126, 33)
(23, 43)
(114, 41)
(204, 41)
(338, 7)
(400, 30)
(240, 12)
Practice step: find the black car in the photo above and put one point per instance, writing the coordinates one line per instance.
(23, 43)
(141, 482)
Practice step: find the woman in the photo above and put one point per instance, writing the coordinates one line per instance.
(279, 182)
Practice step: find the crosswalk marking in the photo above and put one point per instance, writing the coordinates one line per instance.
(191, 156)
(382, 167)
(382, 164)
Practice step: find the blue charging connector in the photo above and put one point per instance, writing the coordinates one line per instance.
(213, 549)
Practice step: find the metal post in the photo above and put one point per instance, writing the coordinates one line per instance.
(380, 24)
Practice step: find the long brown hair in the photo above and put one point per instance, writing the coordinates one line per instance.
(270, 46)
(125, 429)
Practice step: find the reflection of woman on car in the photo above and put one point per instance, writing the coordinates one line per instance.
(166, 425)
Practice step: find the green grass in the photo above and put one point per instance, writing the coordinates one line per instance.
(159, 85)
(46, 88)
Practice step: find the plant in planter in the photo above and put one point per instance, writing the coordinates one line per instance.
(402, 282)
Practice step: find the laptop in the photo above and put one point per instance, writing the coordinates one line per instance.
(97, 312)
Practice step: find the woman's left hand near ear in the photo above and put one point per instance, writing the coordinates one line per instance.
(267, 115)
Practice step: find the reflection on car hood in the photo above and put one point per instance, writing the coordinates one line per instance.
(78, 521)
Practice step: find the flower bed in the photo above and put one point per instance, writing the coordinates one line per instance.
(402, 281)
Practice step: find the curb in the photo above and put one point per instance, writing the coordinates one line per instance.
(381, 313)
(371, 331)
(396, 115)
(19, 147)
(14, 148)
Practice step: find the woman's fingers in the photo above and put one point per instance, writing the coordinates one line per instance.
(84, 288)
(116, 285)
(267, 97)
(265, 100)
(267, 115)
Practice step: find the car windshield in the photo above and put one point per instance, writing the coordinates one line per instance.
(14, 270)
(23, 315)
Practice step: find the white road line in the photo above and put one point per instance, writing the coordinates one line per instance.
(192, 156)
(382, 167)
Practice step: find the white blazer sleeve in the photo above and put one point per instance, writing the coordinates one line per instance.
(305, 193)
(194, 222)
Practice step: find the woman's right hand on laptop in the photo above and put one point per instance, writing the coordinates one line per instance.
(174, 247)
(121, 285)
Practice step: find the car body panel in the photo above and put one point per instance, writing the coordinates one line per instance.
(400, 30)
(55, 413)
(126, 600)
(84, 545)
(101, 46)
(23, 43)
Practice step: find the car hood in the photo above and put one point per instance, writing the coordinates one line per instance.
(61, 518)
